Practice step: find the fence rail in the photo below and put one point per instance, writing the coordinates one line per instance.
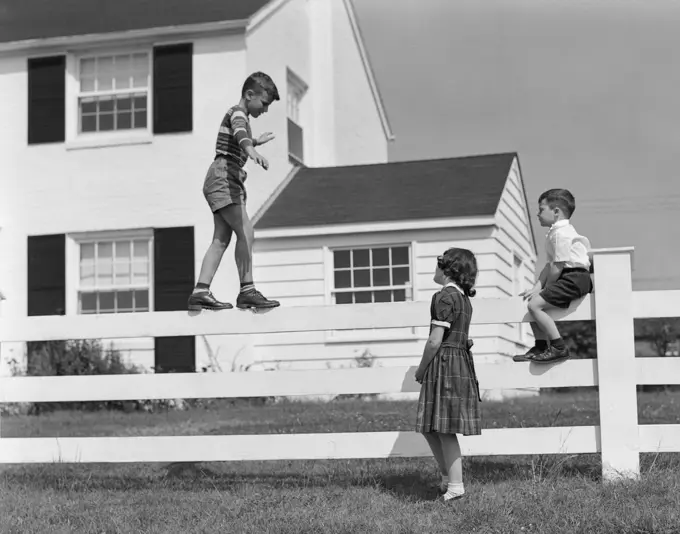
(616, 371)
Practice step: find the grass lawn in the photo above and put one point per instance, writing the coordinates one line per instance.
(519, 494)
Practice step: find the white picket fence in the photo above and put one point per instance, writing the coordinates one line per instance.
(618, 437)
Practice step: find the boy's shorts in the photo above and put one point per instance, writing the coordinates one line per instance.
(572, 284)
(224, 184)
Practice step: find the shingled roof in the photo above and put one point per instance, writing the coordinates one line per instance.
(40, 19)
(410, 190)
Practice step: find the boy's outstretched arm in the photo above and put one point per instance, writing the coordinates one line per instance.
(239, 124)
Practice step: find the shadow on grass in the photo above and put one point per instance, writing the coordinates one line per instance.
(412, 479)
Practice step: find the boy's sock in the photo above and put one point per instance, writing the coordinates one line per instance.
(541, 344)
(454, 490)
(558, 343)
(247, 287)
(201, 287)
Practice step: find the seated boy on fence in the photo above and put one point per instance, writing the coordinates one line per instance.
(565, 277)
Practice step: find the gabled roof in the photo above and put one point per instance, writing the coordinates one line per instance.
(411, 190)
(41, 19)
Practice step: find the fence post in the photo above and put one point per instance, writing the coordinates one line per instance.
(619, 434)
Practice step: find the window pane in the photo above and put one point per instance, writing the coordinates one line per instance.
(122, 272)
(104, 250)
(124, 301)
(140, 62)
(123, 81)
(140, 79)
(87, 66)
(400, 256)
(341, 258)
(140, 119)
(87, 251)
(124, 103)
(362, 278)
(140, 272)
(106, 105)
(122, 250)
(87, 273)
(382, 296)
(141, 300)
(343, 298)
(139, 102)
(381, 277)
(104, 82)
(360, 258)
(87, 83)
(124, 121)
(88, 123)
(88, 303)
(363, 297)
(88, 106)
(381, 256)
(400, 275)
(141, 249)
(343, 279)
(399, 295)
(107, 302)
(105, 273)
(106, 122)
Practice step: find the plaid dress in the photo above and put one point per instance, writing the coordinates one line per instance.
(449, 396)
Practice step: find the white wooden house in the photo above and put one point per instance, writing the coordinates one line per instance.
(372, 233)
(111, 112)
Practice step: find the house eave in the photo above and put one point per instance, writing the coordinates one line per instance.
(374, 227)
(70, 41)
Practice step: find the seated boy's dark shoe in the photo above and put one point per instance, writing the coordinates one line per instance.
(552, 354)
(255, 299)
(528, 356)
(204, 300)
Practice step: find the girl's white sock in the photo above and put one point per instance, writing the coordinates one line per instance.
(454, 490)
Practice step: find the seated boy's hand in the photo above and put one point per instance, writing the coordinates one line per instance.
(530, 293)
(265, 138)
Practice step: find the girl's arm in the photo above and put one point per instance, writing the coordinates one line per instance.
(431, 347)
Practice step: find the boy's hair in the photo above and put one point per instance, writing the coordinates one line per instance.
(260, 83)
(460, 265)
(559, 198)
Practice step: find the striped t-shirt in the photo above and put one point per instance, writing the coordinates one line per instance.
(234, 135)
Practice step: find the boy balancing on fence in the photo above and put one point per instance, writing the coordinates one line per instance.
(449, 396)
(224, 190)
(565, 277)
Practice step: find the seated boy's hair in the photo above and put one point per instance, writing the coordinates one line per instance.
(559, 198)
(261, 82)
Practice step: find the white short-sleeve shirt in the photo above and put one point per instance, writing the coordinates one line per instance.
(564, 245)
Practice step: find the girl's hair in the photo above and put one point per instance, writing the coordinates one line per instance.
(460, 265)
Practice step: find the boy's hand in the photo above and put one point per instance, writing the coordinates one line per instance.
(531, 293)
(258, 158)
(265, 138)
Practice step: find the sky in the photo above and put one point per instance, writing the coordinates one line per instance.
(586, 92)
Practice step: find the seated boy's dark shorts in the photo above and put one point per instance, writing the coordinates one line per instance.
(224, 184)
(572, 284)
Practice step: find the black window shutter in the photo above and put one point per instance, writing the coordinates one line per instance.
(175, 354)
(46, 275)
(173, 88)
(173, 267)
(46, 100)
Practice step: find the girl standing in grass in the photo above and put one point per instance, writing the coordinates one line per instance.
(449, 396)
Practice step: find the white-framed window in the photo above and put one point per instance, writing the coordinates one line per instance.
(372, 274)
(113, 92)
(115, 273)
(295, 92)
